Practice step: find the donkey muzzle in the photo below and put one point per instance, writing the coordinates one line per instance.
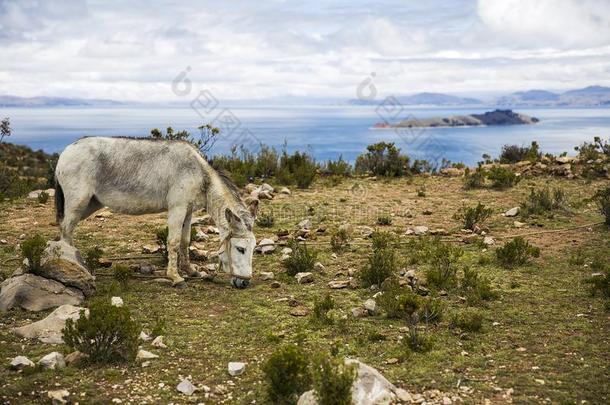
(240, 282)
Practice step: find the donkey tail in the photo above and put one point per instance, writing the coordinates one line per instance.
(59, 202)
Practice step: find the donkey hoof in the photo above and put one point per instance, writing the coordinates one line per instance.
(180, 285)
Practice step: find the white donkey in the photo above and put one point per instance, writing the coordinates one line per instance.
(142, 176)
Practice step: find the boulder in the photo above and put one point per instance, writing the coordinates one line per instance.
(236, 368)
(420, 230)
(305, 224)
(338, 284)
(186, 387)
(319, 267)
(265, 195)
(145, 355)
(303, 278)
(266, 187)
(49, 329)
(371, 306)
(63, 263)
(21, 362)
(250, 187)
(58, 397)
(285, 191)
(513, 212)
(266, 275)
(369, 387)
(35, 293)
(265, 246)
(52, 361)
(452, 172)
(116, 301)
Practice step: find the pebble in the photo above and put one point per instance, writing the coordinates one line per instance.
(338, 284)
(58, 396)
(145, 355)
(144, 336)
(319, 267)
(513, 212)
(116, 301)
(186, 387)
(52, 361)
(236, 368)
(371, 306)
(404, 395)
(305, 277)
(420, 230)
(267, 275)
(158, 342)
(359, 312)
(20, 362)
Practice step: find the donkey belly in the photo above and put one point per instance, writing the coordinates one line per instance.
(132, 203)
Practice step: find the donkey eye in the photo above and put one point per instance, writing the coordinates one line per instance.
(240, 249)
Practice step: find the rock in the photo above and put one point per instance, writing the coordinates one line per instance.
(267, 275)
(319, 267)
(286, 251)
(308, 398)
(285, 191)
(196, 253)
(62, 262)
(347, 227)
(276, 284)
(162, 281)
(359, 312)
(148, 249)
(366, 231)
(338, 284)
(21, 362)
(420, 230)
(305, 224)
(35, 293)
(186, 387)
(266, 187)
(145, 355)
(447, 401)
(250, 187)
(371, 306)
(212, 229)
(58, 396)
(236, 368)
(513, 212)
(265, 195)
(452, 172)
(266, 246)
(488, 240)
(34, 194)
(403, 395)
(518, 224)
(144, 336)
(284, 258)
(201, 236)
(116, 301)
(75, 357)
(203, 220)
(408, 213)
(303, 278)
(158, 342)
(146, 269)
(49, 329)
(52, 361)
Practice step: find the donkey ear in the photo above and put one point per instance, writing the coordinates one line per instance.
(253, 207)
(232, 219)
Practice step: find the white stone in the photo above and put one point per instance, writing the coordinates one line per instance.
(371, 306)
(144, 336)
(267, 275)
(488, 240)
(116, 301)
(145, 355)
(304, 277)
(305, 224)
(518, 224)
(284, 190)
(266, 187)
(319, 267)
(20, 362)
(186, 387)
(420, 230)
(359, 312)
(513, 212)
(158, 342)
(52, 361)
(58, 396)
(236, 368)
(403, 395)
(49, 329)
(286, 251)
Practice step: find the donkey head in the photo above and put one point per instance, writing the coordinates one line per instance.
(238, 247)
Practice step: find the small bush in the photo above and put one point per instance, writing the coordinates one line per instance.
(543, 201)
(517, 252)
(339, 240)
(332, 380)
(121, 275)
(301, 260)
(431, 310)
(602, 197)
(43, 197)
(298, 167)
(421, 191)
(321, 307)
(502, 178)
(388, 300)
(338, 167)
(593, 150)
(383, 263)
(474, 180)
(577, 258)
(442, 270)
(92, 258)
(473, 216)
(32, 250)
(515, 153)
(159, 324)
(468, 320)
(421, 249)
(383, 159)
(162, 235)
(384, 219)
(287, 375)
(107, 335)
(418, 342)
(476, 287)
(265, 220)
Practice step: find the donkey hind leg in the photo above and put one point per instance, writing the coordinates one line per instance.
(76, 208)
(175, 220)
(185, 240)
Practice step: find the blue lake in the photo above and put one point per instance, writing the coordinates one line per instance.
(326, 131)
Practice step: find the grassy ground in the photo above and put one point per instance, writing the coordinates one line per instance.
(544, 338)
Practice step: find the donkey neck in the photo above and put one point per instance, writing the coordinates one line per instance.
(219, 198)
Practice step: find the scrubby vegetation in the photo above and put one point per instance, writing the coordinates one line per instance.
(339, 240)
(32, 250)
(287, 374)
(383, 159)
(544, 201)
(602, 198)
(515, 153)
(473, 217)
(382, 263)
(474, 179)
(265, 219)
(384, 220)
(476, 287)
(107, 335)
(332, 380)
(468, 320)
(92, 258)
(502, 178)
(442, 270)
(321, 307)
(516, 253)
(301, 260)
(122, 274)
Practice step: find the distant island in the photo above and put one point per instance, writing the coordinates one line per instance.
(14, 101)
(496, 117)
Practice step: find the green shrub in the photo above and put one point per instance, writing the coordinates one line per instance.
(159, 325)
(602, 197)
(332, 380)
(92, 258)
(301, 260)
(502, 177)
(543, 201)
(339, 240)
(517, 252)
(161, 235)
(43, 197)
(476, 287)
(474, 180)
(418, 342)
(593, 150)
(420, 250)
(383, 159)
(468, 320)
(421, 191)
(472, 217)
(388, 300)
(287, 375)
(265, 220)
(382, 263)
(384, 219)
(298, 167)
(431, 310)
(515, 153)
(107, 335)
(338, 167)
(577, 258)
(122, 274)
(321, 307)
(32, 250)
(442, 270)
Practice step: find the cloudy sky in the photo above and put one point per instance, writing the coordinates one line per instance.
(260, 49)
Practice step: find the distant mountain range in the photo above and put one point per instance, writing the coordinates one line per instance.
(592, 96)
(13, 101)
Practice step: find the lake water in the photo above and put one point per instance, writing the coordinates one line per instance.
(326, 131)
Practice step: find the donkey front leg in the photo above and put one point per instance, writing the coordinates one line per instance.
(175, 221)
(184, 263)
